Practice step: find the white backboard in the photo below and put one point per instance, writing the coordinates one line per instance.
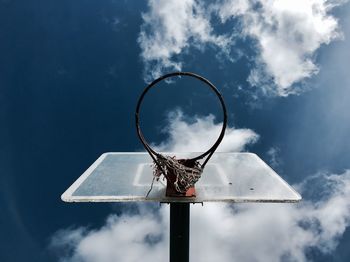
(227, 177)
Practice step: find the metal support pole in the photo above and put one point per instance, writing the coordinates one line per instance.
(179, 232)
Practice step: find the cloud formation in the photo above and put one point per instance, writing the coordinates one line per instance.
(123, 238)
(200, 133)
(220, 232)
(286, 35)
(170, 27)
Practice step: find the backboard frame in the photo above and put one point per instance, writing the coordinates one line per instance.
(68, 195)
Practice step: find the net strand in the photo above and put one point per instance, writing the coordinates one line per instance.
(185, 176)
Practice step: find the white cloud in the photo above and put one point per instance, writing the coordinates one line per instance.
(123, 238)
(287, 32)
(274, 160)
(273, 232)
(220, 232)
(169, 28)
(200, 133)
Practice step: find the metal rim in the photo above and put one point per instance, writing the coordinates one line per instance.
(213, 88)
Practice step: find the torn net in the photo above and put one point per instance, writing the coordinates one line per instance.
(182, 173)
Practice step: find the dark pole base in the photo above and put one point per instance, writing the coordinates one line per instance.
(179, 232)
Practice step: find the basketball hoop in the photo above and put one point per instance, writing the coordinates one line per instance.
(120, 177)
(181, 174)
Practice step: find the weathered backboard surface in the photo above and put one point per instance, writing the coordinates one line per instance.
(228, 177)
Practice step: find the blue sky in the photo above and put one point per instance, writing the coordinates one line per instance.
(70, 76)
